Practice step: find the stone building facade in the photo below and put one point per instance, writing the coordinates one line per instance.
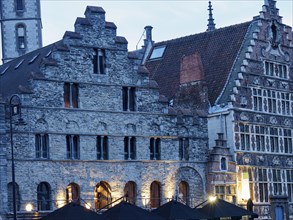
(247, 71)
(21, 27)
(96, 128)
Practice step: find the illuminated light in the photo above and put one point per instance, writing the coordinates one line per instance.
(245, 192)
(60, 203)
(88, 206)
(29, 207)
(212, 198)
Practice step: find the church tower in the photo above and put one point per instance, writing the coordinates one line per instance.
(21, 27)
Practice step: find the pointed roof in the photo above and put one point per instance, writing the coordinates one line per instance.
(211, 25)
(217, 49)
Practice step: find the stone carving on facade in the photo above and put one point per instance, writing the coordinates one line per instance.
(276, 161)
(271, 83)
(260, 159)
(284, 85)
(247, 159)
(289, 162)
(243, 101)
(288, 122)
(258, 118)
(273, 120)
(244, 117)
(256, 80)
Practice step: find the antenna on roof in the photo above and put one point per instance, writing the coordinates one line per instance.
(211, 25)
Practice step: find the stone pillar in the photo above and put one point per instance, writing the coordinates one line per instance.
(279, 204)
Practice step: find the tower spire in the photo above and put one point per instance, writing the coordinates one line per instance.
(211, 25)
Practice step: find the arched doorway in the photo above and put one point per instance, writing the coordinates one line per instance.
(155, 194)
(184, 192)
(73, 193)
(102, 195)
(44, 196)
(130, 191)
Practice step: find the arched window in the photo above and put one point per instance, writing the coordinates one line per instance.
(10, 196)
(102, 195)
(223, 163)
(130, 192)
(72, 193)
(184, 192)
(44, 196)
(20, 31)
(155, 194)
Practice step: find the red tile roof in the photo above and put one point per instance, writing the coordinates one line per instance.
(217, 49)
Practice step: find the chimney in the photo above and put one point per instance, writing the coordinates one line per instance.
(148, 32)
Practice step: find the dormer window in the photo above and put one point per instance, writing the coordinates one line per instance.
(19, 5)
(158, 52)
(20, 31)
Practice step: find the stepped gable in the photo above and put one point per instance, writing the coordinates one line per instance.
(15, 75)
(218, 50)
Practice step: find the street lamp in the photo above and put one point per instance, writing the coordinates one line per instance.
(14, 109)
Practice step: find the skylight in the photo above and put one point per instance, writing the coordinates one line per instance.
(33, 59)
(4, 70)
(158, 52)
(18, 64)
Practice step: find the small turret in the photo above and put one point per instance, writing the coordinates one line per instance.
(211, 25)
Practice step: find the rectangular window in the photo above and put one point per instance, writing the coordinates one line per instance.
(102, 148)
(128, 98)
(99, 61)
(19, 5)
(183, 149)
(276, 70)
(244, 137)
(263, 185)
(277, 182)
(257, 99)
(289, 178)
(155, 148)
(288, 141)
(71, 95)
(42, 146)
(72, 145)
(274, 139)
(129, 148)
(260, 138)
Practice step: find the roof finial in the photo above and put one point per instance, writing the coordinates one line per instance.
(211, 25)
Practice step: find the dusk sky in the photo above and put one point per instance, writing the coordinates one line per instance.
(170, 19)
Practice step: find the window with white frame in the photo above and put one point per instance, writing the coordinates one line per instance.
(277, 182)
(274, 139)
(264, 138)
(257, 99)
(276, 70)
(244, 136)
(287, 140)
(263, 185)
(260, 138)
(265, 100)
(289, 178)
